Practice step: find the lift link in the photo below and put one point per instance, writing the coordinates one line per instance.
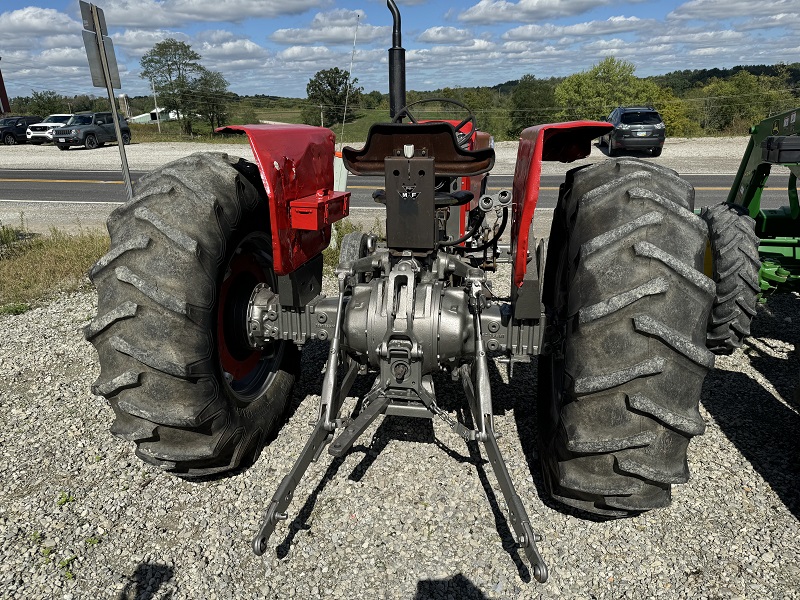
(330, 403)
(479, 396)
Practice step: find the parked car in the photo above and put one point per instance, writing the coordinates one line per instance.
(91, 130)
(12, 129)
(39, 133)
(635, 128)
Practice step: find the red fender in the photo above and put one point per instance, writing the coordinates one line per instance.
(296, 166)
(564, 142)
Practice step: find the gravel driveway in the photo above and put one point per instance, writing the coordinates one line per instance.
(410, 512)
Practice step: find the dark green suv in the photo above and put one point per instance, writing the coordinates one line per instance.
(91, 130)
(635, 128)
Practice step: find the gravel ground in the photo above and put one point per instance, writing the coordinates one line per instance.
(411, 512)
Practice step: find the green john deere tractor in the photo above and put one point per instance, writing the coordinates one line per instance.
(754, 251)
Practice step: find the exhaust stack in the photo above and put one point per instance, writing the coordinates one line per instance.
(397, 64)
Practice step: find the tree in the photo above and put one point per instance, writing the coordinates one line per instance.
(532, 103)
(46, 103)
(490, 113)
(172, 66)
(732, 105)
(373, 100)
(593, 94)
(211, 97)
(327, 92)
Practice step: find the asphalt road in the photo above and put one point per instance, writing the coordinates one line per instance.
(37, 186)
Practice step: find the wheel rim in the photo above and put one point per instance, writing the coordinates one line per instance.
(247, 372)
(10, 140)
(91, 142)
(126, 139)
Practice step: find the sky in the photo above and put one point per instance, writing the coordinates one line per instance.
(274, 47)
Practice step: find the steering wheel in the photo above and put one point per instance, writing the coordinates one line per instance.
(462, 137)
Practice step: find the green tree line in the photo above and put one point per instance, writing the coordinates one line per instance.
(692, 103)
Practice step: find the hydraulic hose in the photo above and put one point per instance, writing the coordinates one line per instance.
(471, 233)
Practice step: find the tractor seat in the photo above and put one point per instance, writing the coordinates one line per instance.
(436, 138)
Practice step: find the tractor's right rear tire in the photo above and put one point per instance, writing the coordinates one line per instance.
(625, 357)
(173, 291)
(734, 266)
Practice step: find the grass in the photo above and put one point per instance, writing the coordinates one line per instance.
(65, 498)
(355, 132)
(33, 267)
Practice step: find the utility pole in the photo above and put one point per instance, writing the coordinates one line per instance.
(155, 101)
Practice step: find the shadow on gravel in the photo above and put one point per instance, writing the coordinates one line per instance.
(407, 429)
(146, 581)
(456, 586)
(763, 429)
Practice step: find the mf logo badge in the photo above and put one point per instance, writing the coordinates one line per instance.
(408, 192)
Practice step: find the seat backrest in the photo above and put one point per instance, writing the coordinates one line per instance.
(436, 138)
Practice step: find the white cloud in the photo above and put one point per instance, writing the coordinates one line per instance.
(444, 35)
(305, 53)
(233, 55)
(503, 11)
(700, 38)
(172, 13)
(34, 20)
(613, 25)
(64, 57)
(337, 27)
(27, 28)
(719, 10)
(784, 20)
(138, 41)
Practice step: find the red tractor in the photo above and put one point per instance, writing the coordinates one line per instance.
(212, 285)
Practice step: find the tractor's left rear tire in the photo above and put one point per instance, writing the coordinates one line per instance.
(173, 291)
(624, 357)
(734, 266)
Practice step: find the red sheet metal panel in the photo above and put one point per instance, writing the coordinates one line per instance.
(321, 210)
(296, 163)
(564, 142)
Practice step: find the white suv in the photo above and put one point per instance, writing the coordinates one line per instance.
(39, 133)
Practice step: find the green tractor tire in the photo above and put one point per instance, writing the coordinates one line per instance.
(732, 261)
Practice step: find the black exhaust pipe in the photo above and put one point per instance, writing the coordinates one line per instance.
(397, 64)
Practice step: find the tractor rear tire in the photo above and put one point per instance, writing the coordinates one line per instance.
(734, 266)
(170, 332)
(624, 357)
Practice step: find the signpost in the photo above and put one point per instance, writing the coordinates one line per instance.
(103, 66)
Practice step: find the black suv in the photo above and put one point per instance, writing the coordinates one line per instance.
(91, 130)
(12, 129)
(635, 128)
